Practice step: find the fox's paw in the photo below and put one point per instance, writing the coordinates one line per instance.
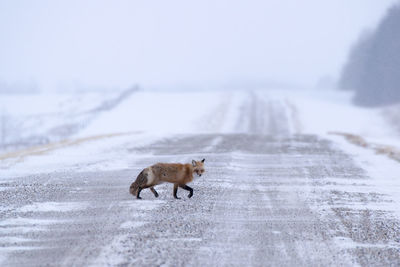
(138, 198)
(190, 195)
(177, 197)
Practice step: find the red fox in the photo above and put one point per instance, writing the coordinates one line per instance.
(176, 173)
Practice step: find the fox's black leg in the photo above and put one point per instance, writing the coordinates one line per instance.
(188, 188)
(175, 191)
(138, 193)
(154, 191)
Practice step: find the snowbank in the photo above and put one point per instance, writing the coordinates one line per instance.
(165, 113)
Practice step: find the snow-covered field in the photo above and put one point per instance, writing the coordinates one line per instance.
(133, 133)
(33, 119)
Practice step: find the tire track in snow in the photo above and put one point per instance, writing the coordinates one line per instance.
(263, 116)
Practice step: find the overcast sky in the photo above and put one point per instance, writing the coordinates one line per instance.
(60, 44)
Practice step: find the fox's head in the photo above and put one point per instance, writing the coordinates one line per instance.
(198, 167)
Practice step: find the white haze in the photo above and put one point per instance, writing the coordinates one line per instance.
(114, 44)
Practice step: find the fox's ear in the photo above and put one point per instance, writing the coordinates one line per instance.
(193, 163)
(203, 160)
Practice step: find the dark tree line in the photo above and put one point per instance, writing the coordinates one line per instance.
(373, 66)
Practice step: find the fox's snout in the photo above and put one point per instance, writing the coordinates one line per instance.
(199, 173)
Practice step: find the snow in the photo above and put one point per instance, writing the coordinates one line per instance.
(26, 221)
(108, 254)
(325, 111)
(15, 230)
(36, 119)
(97, 154)
(383, 171)
(13, 239)
(53, 207)
(131, 224)
(51, 103)
(348, 243)
(145, 205)
(167, 113)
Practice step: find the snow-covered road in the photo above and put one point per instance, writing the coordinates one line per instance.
(272, 196)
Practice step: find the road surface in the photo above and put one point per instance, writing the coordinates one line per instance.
(270, 197)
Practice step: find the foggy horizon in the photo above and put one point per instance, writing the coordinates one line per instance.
(93, 44)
